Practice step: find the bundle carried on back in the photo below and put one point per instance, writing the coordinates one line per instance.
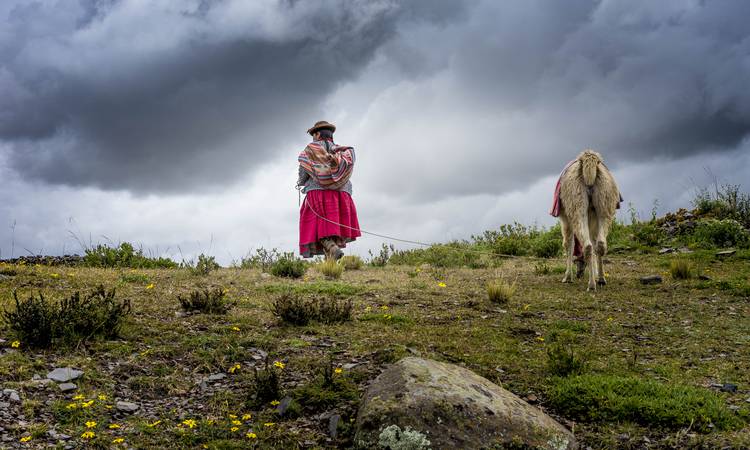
(331, 166)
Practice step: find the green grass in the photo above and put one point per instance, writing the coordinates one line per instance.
(612, 398)
(682, 335)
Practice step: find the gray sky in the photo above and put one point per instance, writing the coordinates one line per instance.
(176, 124)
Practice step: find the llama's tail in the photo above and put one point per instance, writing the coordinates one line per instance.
(589, 165)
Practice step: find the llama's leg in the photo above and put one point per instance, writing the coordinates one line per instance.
(568, 244)
(601, 247)
(584, 235)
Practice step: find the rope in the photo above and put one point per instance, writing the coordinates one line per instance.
(391, 238)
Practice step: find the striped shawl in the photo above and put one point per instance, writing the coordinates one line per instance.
(332, 167)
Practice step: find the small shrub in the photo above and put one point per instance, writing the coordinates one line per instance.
(680, 269)
(500, 291)
(609, 398)
(134, 278)
(542, 268)
(331, 310)
(352, 262)
(547, 244)
(328, 389)
(124, 255)
(331, 269)
(294, 310)
(38, 322)
(33, 320)
(647, 234)
(206, 301)
(382, 259)
(267, 384)
(204, 265)
(288, 267)
(262, 259)
(720, 233)
(562, 360)
(394, 438)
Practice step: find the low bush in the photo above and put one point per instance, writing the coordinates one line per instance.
(383, 257)
(500, 291)
(714, 233)
(610, 398)
(330, 388)
(288, 267)
(293, 309)
(352, 262)
(330, 268)
(204, 265)
(562, 358)
(267, 386)
(680, 269)
(124, 255)
(206, 301)
(262, 259)
(38, 322)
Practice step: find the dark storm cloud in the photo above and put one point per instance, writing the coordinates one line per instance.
(523, 86)
(193, 94)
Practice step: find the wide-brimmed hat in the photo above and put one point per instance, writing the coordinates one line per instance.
(321, 125)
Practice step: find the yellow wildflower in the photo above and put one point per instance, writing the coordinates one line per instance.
(114, 426)
(540, 339)
(150, 286)
(526, 307)
(118, 441)
(102, 397)
(78, 397)
(236, 422)
(71, 406)
(87, 404)
(233, 429)
(247, 416)
(190, 423)
(609, 319)
(269, 424)
(151, 425)
(25, 439)
(235, 328)
(55, 275)
(234, 368)
(88, 435)
(338, 370)
(279, 364)
(442, 285)
(15, 344)
(233, 416)
(251, 435)
(384, 307)
(90, 424)
(274, 402)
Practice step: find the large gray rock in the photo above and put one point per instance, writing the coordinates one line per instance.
(422, 400)
(64, 374)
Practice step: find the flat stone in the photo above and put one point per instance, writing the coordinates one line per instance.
(333, 426)
(726, 253)
(651, 279)
(65, 387)
(704, 277)
(440, 405)
(4, 405)
(728, 387)
(126, 406)
(64, 374)
(666, 250)
(283, 405)
(349, 366)
(14, 397)
(217, 377)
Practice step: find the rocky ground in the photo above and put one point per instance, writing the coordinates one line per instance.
(189, 380)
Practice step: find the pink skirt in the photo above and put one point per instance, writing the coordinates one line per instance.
(336, 206)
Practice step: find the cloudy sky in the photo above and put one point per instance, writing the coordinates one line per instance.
(175, 124)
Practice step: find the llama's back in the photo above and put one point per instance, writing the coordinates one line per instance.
(605, 195)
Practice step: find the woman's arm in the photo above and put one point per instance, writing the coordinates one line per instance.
(303, 177)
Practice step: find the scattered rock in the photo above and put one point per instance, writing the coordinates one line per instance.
(128, 407)
(453, 407)
(666, 250)
(725, 253)
(6, 405)
(531, 398)
(65, 387)
(283, 405)
(265, 275)
(728, 387)
(651, 279)
(64, 374)
(349, 366)
(704, 277)
(333, 426)
(12, 395)
(217, 377)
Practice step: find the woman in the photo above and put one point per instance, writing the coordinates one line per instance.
(328, 218)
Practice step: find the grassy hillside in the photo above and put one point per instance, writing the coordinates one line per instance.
(630, 366)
